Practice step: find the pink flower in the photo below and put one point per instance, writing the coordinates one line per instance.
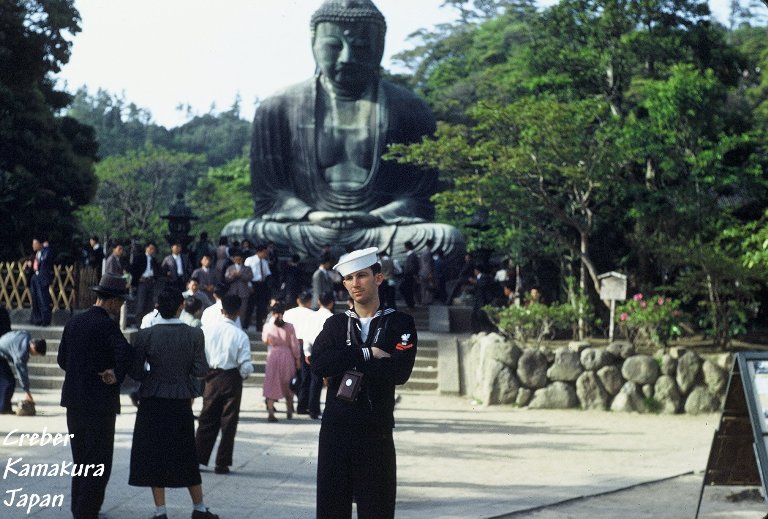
(624, 316)
(638, 297)
(643, 304)
(660, 301)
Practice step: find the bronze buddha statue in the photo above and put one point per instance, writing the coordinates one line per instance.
(317, 175)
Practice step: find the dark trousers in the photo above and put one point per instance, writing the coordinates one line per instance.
(259, 300)
(41, 302)
(145, 298)
(7, 386)
(407, 287)
(92, 443)
(309, 392)
(356, 463)
(221, 411)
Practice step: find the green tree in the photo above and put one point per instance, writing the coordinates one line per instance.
(122, 126)
(223, 195)
(538, 163)
(221, 138)
(46, 161)
(135, 188)
(119, 124)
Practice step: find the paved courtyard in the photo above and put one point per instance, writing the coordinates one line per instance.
(455, 460)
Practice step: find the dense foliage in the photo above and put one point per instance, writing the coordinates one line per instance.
(605, 135)
(46, 161)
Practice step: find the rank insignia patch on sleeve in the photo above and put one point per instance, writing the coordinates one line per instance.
(404, 344)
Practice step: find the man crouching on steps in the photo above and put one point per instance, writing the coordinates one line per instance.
(373, 348)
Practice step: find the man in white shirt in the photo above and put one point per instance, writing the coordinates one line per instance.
(311, 391)
(213, 313)
(259, 265)
(228, 351)
(302, 317)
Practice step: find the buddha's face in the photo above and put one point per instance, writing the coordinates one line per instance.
(348, 54)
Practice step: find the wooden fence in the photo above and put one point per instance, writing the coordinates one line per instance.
(69, 289)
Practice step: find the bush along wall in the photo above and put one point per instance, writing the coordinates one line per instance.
(615, 378)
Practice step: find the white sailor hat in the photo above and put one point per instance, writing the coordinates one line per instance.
(356, 260)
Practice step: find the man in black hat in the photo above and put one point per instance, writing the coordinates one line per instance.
(94, 355)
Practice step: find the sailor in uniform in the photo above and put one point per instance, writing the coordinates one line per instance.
(364, 353)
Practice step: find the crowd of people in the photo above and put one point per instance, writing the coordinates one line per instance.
(194, 343)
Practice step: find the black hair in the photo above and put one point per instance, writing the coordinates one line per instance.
(408, 245)
(168, 301)
(223, 240)
(376, 268)
(196, 279)
(231, 304)
(150, 243)
(192, 305)
(305, 296)
(221, 290)
(278, 308)
(41, 347)
(327, 298)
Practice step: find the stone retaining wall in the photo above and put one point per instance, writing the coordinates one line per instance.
(614, 378)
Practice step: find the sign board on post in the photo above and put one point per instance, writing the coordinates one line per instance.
(613, 287)
(739, 453)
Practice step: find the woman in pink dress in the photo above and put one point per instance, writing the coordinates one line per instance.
(282, 361)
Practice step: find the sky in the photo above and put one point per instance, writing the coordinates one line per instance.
(162, 53)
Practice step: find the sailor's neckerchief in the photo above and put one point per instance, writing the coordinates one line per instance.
(381, 312)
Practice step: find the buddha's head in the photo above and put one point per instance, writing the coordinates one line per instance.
(348, 43)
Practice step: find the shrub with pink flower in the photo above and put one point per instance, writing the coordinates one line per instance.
(652, 322)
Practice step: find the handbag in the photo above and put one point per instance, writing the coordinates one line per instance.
(296, 381)
(26, 408)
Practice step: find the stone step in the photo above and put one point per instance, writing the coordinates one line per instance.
(44, 372)
(421, 384)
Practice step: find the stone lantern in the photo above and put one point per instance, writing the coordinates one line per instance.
(179, 223)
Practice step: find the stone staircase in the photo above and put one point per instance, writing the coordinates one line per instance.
(44, 372)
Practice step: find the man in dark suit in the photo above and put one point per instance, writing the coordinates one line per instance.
(144, 271)
(239, 278)
(95, 254)
(486, 293)
(94, 355)
(114, 263)
(39, 284)
(175, 267)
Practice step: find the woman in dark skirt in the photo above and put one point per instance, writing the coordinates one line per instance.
(167, 358)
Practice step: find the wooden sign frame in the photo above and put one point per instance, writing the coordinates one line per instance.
(739, 453)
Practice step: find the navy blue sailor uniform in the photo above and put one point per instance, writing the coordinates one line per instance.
(356, 457)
